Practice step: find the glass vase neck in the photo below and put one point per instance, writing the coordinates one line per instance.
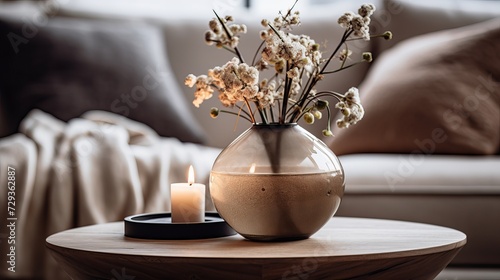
(275, 124)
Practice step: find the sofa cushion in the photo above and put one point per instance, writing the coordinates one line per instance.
(438, 93)
(409, 18)
(461, 192)
(66, 67)
(414, 174)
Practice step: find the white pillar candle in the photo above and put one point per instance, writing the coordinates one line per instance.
(188, 201)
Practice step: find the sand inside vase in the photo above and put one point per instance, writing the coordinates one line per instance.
(276, 204)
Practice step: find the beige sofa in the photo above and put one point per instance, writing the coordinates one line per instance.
(424, 153)
(424, 180)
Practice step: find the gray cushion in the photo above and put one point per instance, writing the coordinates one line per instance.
(69, 66)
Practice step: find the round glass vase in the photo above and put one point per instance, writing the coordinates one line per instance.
(276, 182)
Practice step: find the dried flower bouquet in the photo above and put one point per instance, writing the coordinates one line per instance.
(296, 64)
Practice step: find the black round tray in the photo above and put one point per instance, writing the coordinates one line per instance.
(160, 226)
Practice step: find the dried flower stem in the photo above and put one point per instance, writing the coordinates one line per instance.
(229, 35)
(347, 33)
(236, 114)
(342, 68)
(250, 109)
(257, 52)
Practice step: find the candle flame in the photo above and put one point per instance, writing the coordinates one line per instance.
(252, 168)
(191, 175)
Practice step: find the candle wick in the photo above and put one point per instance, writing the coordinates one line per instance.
(190, 184)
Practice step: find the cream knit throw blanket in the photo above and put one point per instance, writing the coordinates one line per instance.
(95, 169)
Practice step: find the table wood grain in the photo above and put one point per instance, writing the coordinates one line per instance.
(345, 248)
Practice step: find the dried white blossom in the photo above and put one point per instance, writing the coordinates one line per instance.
(350, 107)
(358, 23)
(203, 88)
(220, 36)
(261, 65)
(264, 34)
(344, 54)
(293, 73)
(234, 42)
(215, 26)
(267, 93)
(287, 21)
(366, 10)
(190, 80)
(345, 19)
(360, 27)
(236, 82)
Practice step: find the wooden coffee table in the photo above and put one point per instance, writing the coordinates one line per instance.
(344, 248)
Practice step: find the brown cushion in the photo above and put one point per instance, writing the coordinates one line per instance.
(409, 18)
(437, 93)
(67, 67)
